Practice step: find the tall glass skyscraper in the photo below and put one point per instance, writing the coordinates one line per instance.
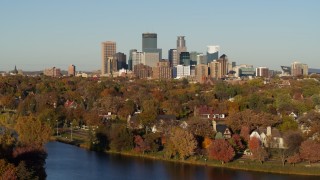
(149, 44)
(149, 41)
(212, 53)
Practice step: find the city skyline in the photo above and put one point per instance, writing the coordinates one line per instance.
(36, 35)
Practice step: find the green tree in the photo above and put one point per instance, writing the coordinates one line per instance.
(121, 138)
(287, 124)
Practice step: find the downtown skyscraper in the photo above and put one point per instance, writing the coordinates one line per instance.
(108, 52)
(181, 46)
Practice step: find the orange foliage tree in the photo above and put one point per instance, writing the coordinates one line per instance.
(221, 150)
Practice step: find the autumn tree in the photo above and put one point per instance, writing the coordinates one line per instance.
(251, 119)
(206, 143)
(258, 152)
(180, 143)
(7, 170)
(153, 140)
(32, 132)
(221, 150)
(309, 151)
(140, 144)
(121, 138)
(7, 143)
(236, 142)
(149, 113)
(294, 159)
(292, 141)
(245, 133)
(92, 118)
(200, 128)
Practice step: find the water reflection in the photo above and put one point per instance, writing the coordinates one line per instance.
(70, 162)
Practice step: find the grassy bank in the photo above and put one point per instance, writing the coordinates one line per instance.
(246, 165)
(239, 164)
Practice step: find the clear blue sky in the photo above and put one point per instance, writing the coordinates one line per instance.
(35, 34)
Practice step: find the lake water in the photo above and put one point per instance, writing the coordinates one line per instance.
(70, 162)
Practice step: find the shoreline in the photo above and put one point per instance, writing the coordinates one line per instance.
(234, 165)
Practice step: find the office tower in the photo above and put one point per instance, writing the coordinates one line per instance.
(108, 50)
(111, 65)
(72, 70)
(181, 71)
(122, 60)
(285, 71)
(224, 64)
(181, 45)
(243, 70)
(215, 69)
(149, 41)
(202, 73)
(262, 72)
(173, 57)
(151, 59)
(52, 72)
(202, 59)
(212, 53)
(162, 70)
(185, 58)
(194, 55)
(138, 58)
(142, 71)
(149, 44)
(298, 69)
(130, 67)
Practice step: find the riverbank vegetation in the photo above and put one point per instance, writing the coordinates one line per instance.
(244, 124)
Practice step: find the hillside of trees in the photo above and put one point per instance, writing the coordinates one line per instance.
(33, 108)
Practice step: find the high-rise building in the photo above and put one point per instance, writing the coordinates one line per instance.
(212, 53)
(149, 44)
(138, 58)
(185, 58)
(151, 59)
(262, 72)
(111, 66)
(72, 70)
(202, 59)
(142, 71)
(243, 70)
(285, 71)
(298, 69)
(173, 57)
(122, 60)
(224, 64)
(215, 69)
(162, 70)
(202, 73)
(130, 67)
(52, 72)
(149, 41)
(181, 45)
(108, 51)
(181, 71)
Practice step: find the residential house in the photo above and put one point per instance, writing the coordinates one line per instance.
(70, 104)
(269, 137)
(133, 122)
(222, 129)
(207, 112)
(164, 122)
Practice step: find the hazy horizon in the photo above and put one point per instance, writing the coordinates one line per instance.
(39, 34)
